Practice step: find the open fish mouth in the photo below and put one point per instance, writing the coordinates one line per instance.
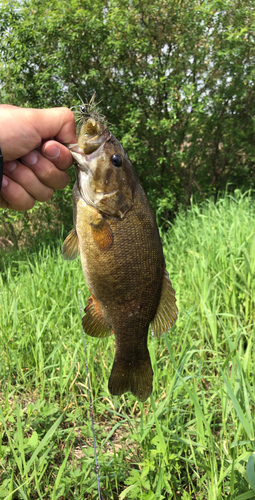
(93, 136)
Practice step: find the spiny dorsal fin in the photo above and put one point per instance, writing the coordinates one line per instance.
(70, 247)
(167, 311)
(93, 322)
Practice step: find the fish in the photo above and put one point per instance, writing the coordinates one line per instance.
(116, 234)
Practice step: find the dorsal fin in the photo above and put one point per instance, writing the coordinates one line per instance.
(70, 247)
(93, 322)
(167, 311)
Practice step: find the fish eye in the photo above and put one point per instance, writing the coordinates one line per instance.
(116, 160)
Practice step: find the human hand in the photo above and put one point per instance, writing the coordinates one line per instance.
(34, 158)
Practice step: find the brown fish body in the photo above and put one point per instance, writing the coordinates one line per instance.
(122, 260)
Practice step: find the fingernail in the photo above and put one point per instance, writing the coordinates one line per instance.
(4, 182)
(30, 159)
(9, 166)
(51, 151)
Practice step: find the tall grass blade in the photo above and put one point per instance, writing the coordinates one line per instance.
(159, 431)
(250, 470)
(60, 473)
(245, 496)
(43, 443)
(90, 402)
(237, 407)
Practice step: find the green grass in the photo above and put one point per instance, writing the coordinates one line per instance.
(194, 438)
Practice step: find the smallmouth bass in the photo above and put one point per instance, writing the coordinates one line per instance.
(116, 233)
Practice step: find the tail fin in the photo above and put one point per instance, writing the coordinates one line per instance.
(135, 377)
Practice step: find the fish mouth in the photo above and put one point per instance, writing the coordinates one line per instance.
(85, 150)
(80, 158)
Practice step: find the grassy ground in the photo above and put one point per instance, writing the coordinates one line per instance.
(194, 439)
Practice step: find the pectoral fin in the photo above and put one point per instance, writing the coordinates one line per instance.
(167, 311)
(102, 233)
(70, 247)
(93, 322)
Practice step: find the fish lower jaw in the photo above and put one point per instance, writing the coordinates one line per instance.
(70, 146)
(80, 161)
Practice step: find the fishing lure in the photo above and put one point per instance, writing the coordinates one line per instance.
(83, 112)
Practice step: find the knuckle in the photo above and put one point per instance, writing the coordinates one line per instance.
(30, 203)
(47, 173)
(45, 195)
(63, 182)
(68, 114)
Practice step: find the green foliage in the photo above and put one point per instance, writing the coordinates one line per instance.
(194, 438)
(176, 80)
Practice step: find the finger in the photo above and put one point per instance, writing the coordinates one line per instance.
(14, 196)
(58, 154)
(45, 170)
(32, 126)
(24, 176)
(56, 122)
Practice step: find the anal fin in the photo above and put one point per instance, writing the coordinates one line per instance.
(93, 322)
(167, 311)
(70, 247)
